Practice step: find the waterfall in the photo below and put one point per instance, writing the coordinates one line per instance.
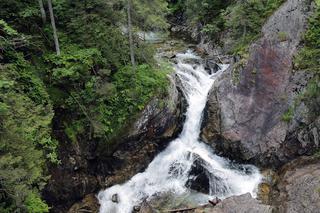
(170, 170)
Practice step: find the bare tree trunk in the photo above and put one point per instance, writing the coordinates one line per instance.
(130, 35)
(43, 12)
(53, 24)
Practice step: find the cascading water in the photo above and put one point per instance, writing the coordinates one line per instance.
(170, 170)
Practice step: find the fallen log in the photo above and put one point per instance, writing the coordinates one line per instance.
(182, 210)
(187, 209)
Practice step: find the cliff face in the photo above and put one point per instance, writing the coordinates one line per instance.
(89, 166)
(244, 118)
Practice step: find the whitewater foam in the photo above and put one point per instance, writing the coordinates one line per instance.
(170, 170)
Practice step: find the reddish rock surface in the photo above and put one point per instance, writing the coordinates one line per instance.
(244, 119)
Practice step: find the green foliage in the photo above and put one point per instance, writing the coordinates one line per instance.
(208, 13)
(133, 89)
(73, 130)
(242, 19)
(311, 96)
(25, 118)
(283, 36)
(288, 115)
(308, 59)
(176, 6)
(7, 29)
(245, 19)
(35, 204)
(74, 64)
(88, 89)
(150, 15)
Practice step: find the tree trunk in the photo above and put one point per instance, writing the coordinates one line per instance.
(53, 24)
(43, 12)
(130, 35)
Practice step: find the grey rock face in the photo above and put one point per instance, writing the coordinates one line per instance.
(241, 204)
(299, 187)
(244, 121)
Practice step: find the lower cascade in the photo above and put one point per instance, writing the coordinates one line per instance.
(171, 170)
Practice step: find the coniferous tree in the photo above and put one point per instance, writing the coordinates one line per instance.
(53, 24)
(42, 11)
(133, 63)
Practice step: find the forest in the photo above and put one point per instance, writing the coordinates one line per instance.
(84, 66)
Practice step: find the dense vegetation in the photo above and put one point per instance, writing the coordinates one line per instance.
(92, 87)
(238, 20)
(89, 86)
(309, 59)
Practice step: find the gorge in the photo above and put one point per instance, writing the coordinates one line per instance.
(151, 106)
(170, 171)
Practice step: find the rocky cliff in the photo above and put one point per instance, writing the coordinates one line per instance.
(244, 117)
(89, 166)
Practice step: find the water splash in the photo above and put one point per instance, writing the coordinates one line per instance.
(170, 170)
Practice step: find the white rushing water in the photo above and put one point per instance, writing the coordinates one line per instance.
(170, 170)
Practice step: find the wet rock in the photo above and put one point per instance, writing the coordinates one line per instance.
(246, 106)
(136, 208)
(241, 204)
(211, 66)
(115, 198)
(88, 204)
(146, 208)
(269, 181)
(299, 187)
(199, 177)
(193, 61)
(215, 201)
(67, 188)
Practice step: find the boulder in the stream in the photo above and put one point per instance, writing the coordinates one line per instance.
(241, 204)
(89, 204)
(211, 66)
(136, 208)
(202, 180)
(115, 198)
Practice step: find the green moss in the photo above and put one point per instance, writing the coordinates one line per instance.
(283, 36)
(288, 115)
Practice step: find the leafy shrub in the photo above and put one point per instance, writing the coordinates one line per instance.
(35, 204)
(133, 90)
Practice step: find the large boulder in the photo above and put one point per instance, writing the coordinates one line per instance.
(88, 204)
(241, 204)
(298, 189)
(244, 116)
